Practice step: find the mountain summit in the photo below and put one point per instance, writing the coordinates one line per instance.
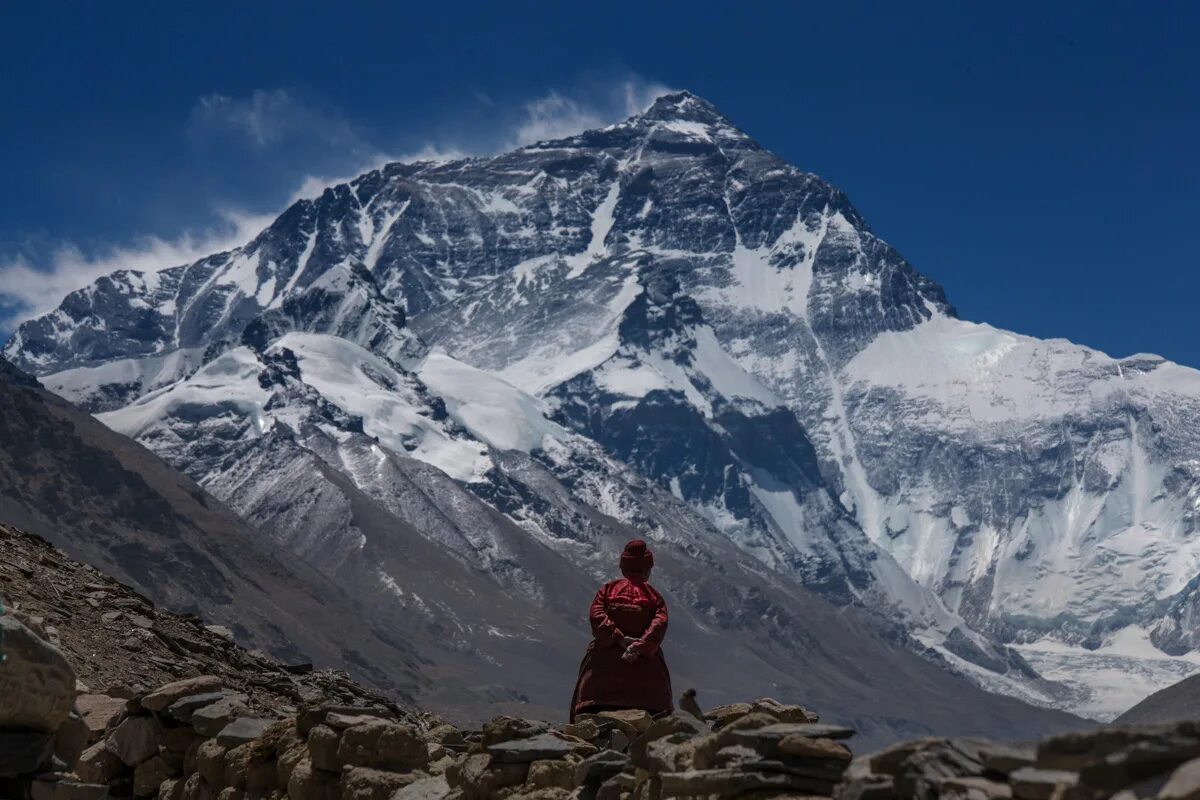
(661, 327)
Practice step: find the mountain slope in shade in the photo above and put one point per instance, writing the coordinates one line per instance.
(108, 501)
(1175, 703)
(1022, 508)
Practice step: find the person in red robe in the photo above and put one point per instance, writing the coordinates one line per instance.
(624, 667)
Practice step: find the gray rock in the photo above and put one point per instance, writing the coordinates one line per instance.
(596, 769)
(425, 789)
(165, 695)
(1004, 759)
(37, 685)
(535, 748)
(813, 730)
(135, 740)
(1030, 783)
(183, 708)
(212, 719)
(98, 764)
(242, 730)
(1184, 783)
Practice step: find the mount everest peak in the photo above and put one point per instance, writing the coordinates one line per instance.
(663, 326)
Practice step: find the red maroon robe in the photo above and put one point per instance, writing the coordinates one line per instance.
(625, 607)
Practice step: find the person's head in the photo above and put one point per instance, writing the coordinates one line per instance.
(637, 560)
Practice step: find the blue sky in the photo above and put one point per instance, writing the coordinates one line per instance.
(1040, 160)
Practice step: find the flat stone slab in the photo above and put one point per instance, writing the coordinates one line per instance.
(536, 748)
(164, 696)
(242, 730)
(183, 708)
(810, 730)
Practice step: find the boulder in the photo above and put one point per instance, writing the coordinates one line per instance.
(365, 783)
(250, 767)
(784, 712)
(435, 788)
(1004, 759)
(183, 708)
(1184, 783)
(535, 748)
(337, 716)
(37, 685)
(890, 760)
(323, 748)
(149, 775)
(505, 729)
(479, 779)
(99, 712)
(165, 695)
(446, 735)
(211, 719)
(679, 724)
(586, 729)
(805, 747)
(383, 745)
(1030, 783)
(178, 740)
(307, 783)
(98, 764)
(244, 729)
(135, 739)
(210, 762)
(632, 721)
(723, 715)
(779, 731)
(71, 739)
(559, 773)
(596, 769)
(195, 788)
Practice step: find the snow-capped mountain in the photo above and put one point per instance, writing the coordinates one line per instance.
(662, 323)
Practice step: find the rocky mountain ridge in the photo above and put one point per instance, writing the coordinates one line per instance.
(642, 303)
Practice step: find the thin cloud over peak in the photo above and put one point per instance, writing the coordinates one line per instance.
(276, 122)
(28, 289)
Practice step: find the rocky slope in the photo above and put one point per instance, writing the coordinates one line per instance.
(1178, 702)
(660, 325)
(198, 738)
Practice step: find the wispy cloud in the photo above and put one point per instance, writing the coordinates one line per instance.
(281, 124)
(269, 117)
(555, 115)
(28, 289)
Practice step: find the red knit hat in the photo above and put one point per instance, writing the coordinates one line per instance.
(636, 557)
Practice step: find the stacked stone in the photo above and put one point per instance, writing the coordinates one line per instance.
(765, 749)
(1161, 761)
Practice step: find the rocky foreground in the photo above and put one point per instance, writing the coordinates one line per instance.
(198, 739)
(103, 695)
